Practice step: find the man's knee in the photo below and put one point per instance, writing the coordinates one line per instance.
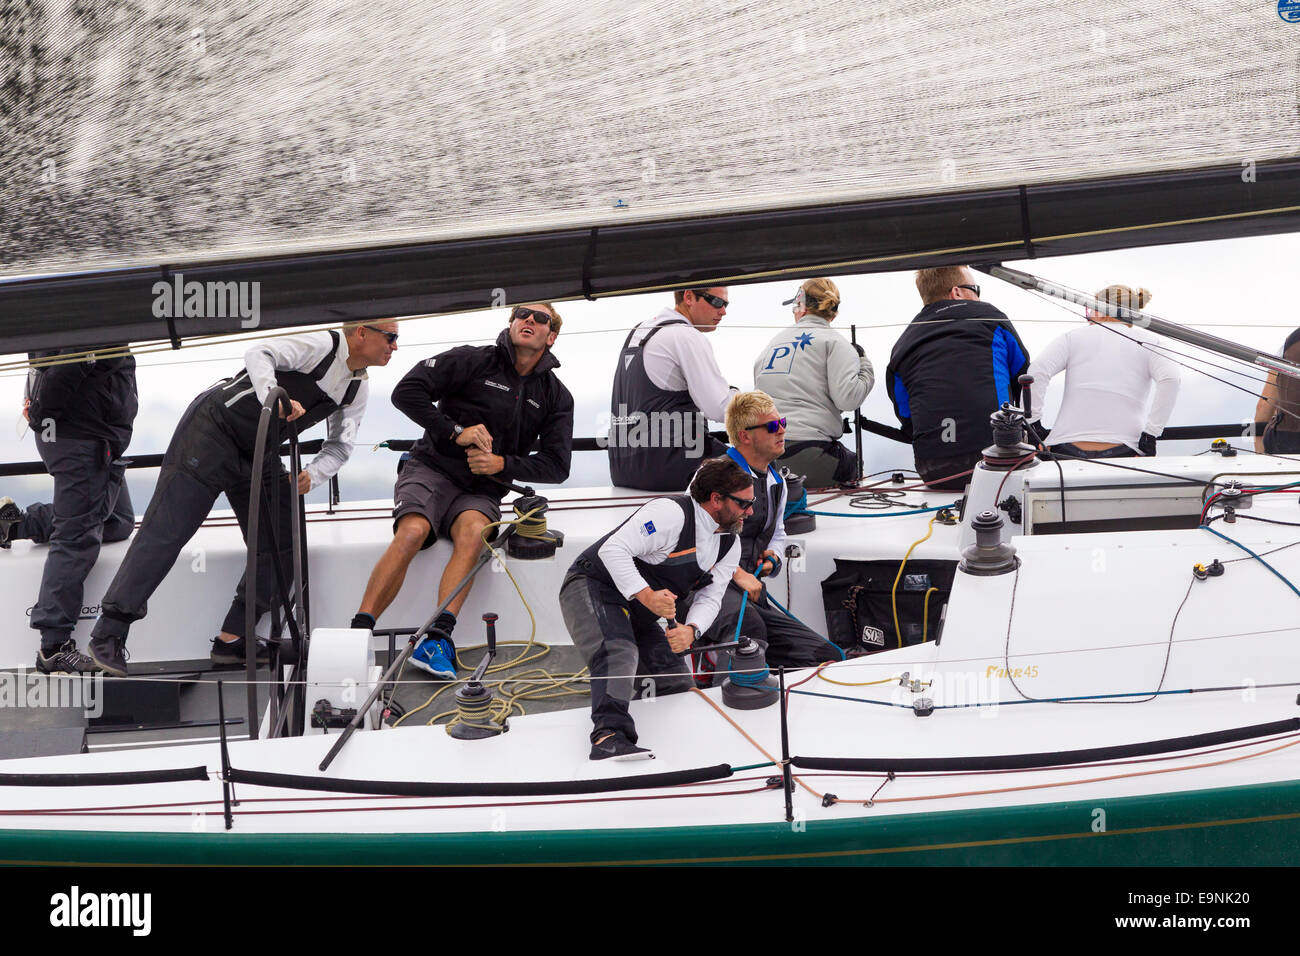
(467, 530)
(411, 533)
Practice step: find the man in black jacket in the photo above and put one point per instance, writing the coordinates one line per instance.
(82, 413)
(492, 410)
(956, 363)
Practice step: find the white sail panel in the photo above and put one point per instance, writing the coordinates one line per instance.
(138, 133)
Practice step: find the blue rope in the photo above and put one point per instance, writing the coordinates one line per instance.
(1280, 575)
(879, 514)
(797, 507)
(744, 601)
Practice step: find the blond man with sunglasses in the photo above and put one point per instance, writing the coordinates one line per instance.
(757, 433)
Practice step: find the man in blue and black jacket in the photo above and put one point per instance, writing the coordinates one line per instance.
(952, 367)
(488, 412)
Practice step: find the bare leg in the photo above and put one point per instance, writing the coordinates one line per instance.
(466, 543)
(389, 573)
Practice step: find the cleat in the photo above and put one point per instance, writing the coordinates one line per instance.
(65, 659)
(109, 655)
(436, 655)
(615, 746)
(232, 654)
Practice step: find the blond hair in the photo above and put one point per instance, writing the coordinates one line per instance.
(744, 410)
(821, 298)
(1121, 296)
(935, 284)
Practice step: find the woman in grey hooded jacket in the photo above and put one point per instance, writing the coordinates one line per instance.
(814, 374)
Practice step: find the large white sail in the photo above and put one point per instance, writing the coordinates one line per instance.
(158, 132)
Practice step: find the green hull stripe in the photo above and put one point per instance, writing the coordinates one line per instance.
(1258, 824)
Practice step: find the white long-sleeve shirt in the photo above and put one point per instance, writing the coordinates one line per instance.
(1108, 378)
(680, 357)
(635, 539)
(302, 353)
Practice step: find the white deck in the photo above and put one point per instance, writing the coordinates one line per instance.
(1091, 616)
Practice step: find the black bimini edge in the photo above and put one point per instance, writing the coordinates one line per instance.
(1059, 758)
(404, 788)
(118, 779)
(845, 238)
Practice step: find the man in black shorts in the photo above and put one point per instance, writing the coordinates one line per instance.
(482, 408)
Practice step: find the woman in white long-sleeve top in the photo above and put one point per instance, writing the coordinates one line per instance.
(1109, 373)
(814, 374)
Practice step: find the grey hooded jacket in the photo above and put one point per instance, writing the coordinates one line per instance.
(813, 375)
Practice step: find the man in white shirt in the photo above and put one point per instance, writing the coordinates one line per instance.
(645, 570)
(667, 387)
(212, 452)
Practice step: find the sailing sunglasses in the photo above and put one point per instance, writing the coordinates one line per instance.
(391, 336)
(746, 504)
(971, 288)
(772, 427)
(537, 315)
(716, 301)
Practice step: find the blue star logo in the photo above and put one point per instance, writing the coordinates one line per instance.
(803, 341)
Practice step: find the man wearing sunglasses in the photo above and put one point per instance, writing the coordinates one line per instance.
(670, 560)
(667, 387)
(212, 451)
(490, 413)
(757, 433)
(952, 367)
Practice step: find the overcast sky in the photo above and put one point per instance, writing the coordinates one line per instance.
(1232, 288)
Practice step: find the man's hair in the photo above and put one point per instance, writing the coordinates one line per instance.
(556, 321)
(718, 476)
(935, 284)
(746, 409)
(680, 294)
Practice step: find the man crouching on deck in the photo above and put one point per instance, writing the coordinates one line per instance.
(617, 590)
(494, 404)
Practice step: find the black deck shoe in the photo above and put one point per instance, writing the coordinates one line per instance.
(10, 515)
(614, 746)
(65, 659)
(109, 655)
(232, 653)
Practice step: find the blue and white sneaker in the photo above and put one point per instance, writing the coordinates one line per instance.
(437, 655)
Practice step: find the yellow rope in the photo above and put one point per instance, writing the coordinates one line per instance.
(552, 685)
(893, 592)
(925, 627)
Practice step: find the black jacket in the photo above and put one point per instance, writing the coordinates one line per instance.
(530, 418)
(949, 371)
(95, 399)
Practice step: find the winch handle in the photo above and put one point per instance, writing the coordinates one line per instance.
(1026, 381)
